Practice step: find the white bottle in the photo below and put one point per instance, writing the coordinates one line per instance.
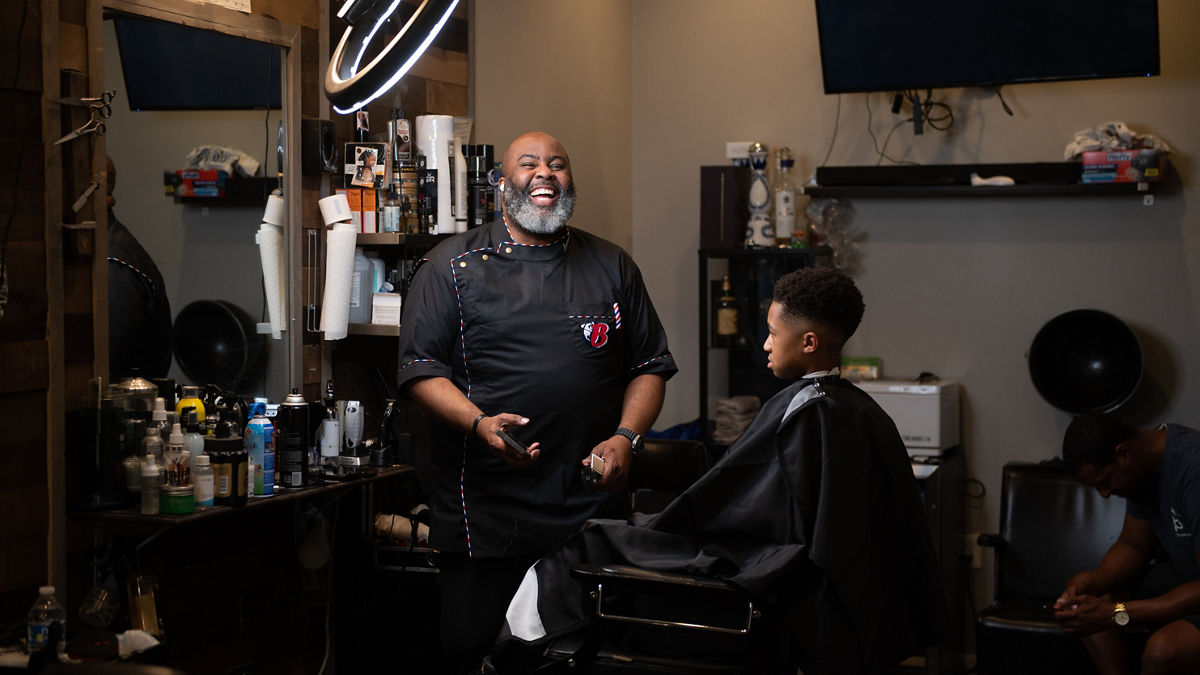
(193, 440)
(785, 197)
(158, 421)
(152, 444)
(203, 478)
(45, 613)
(360, 289)
(177, 459)
(759, 230)
(152, 480)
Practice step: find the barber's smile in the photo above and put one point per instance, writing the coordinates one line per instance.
(543, 195)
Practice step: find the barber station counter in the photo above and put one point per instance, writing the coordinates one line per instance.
(279, 585)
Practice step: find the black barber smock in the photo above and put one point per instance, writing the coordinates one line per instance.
(814, 509)
(554, 333)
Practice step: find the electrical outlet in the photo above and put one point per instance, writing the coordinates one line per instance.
(972, 551)
(737, 150)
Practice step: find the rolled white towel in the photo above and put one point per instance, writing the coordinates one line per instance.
(738, 404)
(400, 527)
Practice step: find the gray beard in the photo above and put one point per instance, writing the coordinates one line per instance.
(531, 218)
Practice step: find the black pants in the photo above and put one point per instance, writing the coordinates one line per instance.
(475, 593)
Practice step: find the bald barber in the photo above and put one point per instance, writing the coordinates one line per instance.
(541, 330)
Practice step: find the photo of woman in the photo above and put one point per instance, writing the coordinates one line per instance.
(367, 173)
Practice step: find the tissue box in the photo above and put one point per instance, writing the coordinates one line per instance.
(385, 308)
(1124, 166)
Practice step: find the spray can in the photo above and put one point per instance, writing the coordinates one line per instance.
(293, 438)
(260, 448)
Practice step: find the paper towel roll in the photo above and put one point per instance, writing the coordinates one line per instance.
(339, 272)
(435, 140)
(276, 211)
(271, 251)
(335, 209)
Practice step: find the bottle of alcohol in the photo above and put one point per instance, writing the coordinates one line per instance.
(726, 316)
(392, 220)
(759, 230)
(785, 201)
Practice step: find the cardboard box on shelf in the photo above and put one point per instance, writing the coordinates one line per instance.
(368, 211)
(195, 183)
(1124, 166)
(354, 201)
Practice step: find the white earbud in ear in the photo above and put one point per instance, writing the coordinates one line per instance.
(502, 187)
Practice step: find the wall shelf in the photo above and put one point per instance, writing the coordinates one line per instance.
(1020, 190)
(238, 192)
(132, 515)
(397, 238)
(377, 329)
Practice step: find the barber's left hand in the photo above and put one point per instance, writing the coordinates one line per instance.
(617, 453)
(1085, 614)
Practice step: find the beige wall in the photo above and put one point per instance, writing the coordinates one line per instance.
(958, 287)
(563, 68)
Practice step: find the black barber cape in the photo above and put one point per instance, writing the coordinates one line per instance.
(139, 314)
(554, 333)
(814, 507)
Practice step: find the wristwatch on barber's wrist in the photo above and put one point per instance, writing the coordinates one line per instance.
(635, 439)
(1120, 616)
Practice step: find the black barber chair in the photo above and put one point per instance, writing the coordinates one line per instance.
(655, 622)
(1051, 527)
(665, 468)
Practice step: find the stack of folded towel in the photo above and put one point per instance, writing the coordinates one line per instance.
(733, 416)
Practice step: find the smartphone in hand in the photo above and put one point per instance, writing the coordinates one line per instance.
(513, 443)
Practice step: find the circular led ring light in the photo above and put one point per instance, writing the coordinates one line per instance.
(349, 87)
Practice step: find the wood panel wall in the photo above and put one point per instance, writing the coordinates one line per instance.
(25, 350)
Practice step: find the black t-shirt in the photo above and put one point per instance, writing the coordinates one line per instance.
(554, 333)
(1172, 502)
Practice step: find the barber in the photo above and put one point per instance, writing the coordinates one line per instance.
(532, 327)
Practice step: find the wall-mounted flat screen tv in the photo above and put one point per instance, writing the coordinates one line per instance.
(174, 67)
(890, 45)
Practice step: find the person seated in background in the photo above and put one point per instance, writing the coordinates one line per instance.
(139, 314)
(1157, 471)
(815, 507)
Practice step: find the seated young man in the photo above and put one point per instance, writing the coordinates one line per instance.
(1156, 471)
(814, 507)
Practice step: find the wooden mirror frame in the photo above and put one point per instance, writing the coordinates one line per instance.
(251, 27)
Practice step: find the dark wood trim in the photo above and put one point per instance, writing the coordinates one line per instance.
(56, 484)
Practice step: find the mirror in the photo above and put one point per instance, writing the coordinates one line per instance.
(205, 246)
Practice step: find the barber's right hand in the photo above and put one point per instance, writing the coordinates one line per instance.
(506, 421)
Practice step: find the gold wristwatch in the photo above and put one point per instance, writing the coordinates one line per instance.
(1120, 616)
